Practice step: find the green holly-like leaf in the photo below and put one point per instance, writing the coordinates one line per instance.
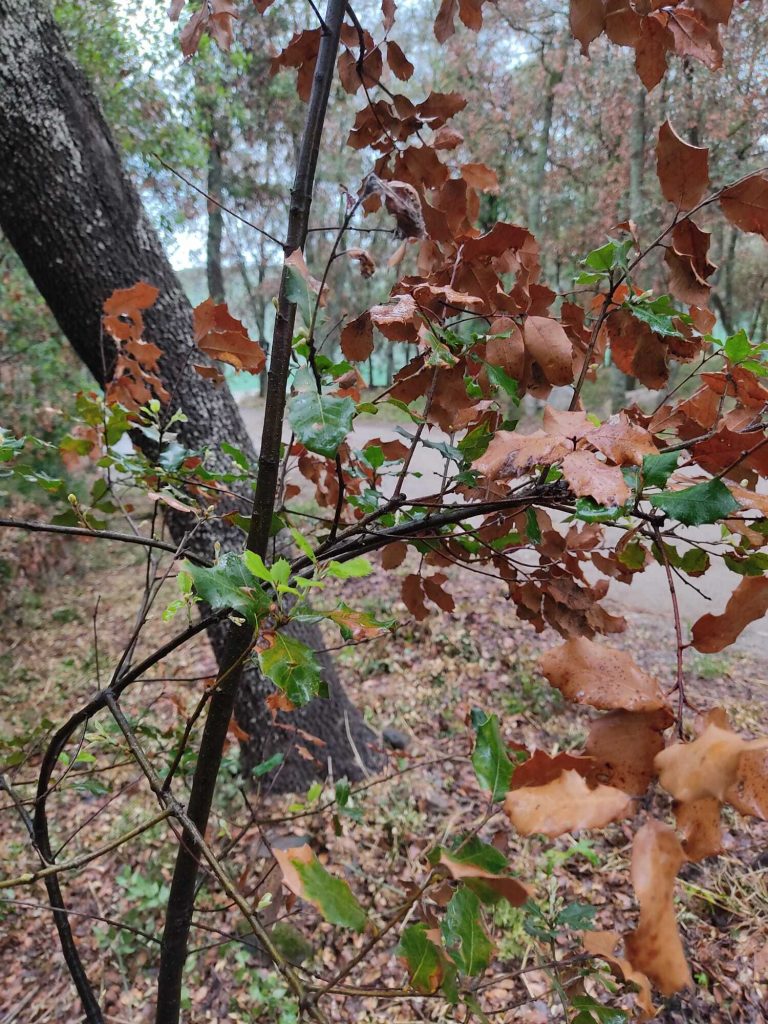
(657, 469)
(465, 938)
(751, 565)
(422, 958)
(321, 422)
(502, 380)
(489, 758)
(229, 584)
(697, 505)
(293, 668)
(354, 568)
(659, 314)
(592, 1012)
(332, 896)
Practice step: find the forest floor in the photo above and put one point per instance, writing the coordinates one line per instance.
(423, 682)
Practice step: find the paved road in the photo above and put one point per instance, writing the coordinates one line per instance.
(648, 594)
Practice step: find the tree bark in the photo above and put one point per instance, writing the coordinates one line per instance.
(213, 264)
(77, 223)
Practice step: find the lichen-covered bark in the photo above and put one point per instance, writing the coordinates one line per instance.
(76, 221)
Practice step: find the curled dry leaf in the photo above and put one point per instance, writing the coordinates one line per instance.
(550, 346)
(748, 602)
(397, 321)
(510, 453)
(623, 745)
(682, 169)
(401, 200)
(587, 476)
(589, 673)
(221, 337)
(565, 805)
(706, 767)
(364, 258)
(447, 138)
(655, 947)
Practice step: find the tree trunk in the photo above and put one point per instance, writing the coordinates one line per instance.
(541, 155)
(78, 225)
(213, 265)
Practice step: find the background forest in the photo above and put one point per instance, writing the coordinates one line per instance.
(356, 865)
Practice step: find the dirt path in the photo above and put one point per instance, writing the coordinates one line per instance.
(648, 595)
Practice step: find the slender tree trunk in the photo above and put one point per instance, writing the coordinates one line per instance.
(78, 225)
(541, 155)
(215, 189)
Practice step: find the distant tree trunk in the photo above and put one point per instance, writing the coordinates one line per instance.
(78, 225)
(213, 265)
(621, 383)
(637, 156)
(541, 155)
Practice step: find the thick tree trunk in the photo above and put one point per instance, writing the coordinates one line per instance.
(78, 225)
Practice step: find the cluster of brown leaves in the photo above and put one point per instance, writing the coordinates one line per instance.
(625, 752)
(134, 380)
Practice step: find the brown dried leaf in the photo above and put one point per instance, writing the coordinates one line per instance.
(398, 321)
(587, 476)
(122, 310)
(655, 948)
(510, 453)
(221, 337)
(481, 177)
(622, 441)
(398, 62)
(565, 805)
(682, 169)
(587, 21)
(357, 338)
(394, 555)
(749, 602)
(623, 745)
(749, 792)
(589, 673)
(745, 204)
(603, 944)
(699, 821)
(550, 346)
(706, 767)
(447, 138)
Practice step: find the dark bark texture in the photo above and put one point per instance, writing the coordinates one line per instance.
(77, 223)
